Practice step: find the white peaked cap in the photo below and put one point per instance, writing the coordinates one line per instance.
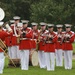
(24, 21)
(1, 23)
(68, 25)
(12, 21)
(42, 23)
(50, 25)
(19, 24)
(16, 17)
(34, 23)
(59, 25)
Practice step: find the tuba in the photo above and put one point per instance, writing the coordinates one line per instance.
(2, 14)
(2, 45)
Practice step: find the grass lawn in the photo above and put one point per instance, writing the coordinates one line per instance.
(74, 48)
(38, 71)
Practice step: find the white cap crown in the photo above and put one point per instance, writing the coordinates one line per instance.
(42, 23)
(16, 17)
(34, 23)
(68, 25)
(24, 21)
(59, 25)
(50, 25)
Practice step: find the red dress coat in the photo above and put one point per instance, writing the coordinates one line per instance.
(59, 43)
(3, 35)
(14, 38)
(50, 44)
(25, 42)
(34, 38)
(41, 44)
(8, 41)
(69, 41)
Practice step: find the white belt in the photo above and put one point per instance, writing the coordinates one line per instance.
(48, 42)
(32, 39)
(23, 38)
(26, 39)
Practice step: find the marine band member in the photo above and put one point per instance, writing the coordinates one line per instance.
(59, 46)
(3, 35)
(25, 44)
(68, 48)
(41, 55)
(51, 39)
(15, 48)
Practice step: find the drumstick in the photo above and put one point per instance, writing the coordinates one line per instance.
(8, 56)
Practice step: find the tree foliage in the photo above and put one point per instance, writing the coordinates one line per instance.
(53, 11)
(50, 11)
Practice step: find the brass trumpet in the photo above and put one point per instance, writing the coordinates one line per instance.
(6, 25)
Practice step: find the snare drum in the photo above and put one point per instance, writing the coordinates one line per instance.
(34, 58)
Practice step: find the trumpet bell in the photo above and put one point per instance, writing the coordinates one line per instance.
(6, 25)
(2, 14)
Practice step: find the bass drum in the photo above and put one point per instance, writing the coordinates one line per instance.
(34, 58)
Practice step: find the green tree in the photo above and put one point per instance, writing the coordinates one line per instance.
(53, 11)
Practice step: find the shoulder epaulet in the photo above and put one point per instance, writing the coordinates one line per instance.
(38, 30)
(56, 32)
(72, 32)
(46, 31)
(4, 29)
(29, 27)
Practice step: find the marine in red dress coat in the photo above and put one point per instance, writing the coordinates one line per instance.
(35, 34)
(14, 38)
(3, 35)
(14, 28)
(42, 37)
(59, 43)
(68, 40)
(25, 38)
(68, 48)
(51, 39)
(8, 40)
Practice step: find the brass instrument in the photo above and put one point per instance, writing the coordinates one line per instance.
(21, 35)
(49, 38)
(67, 37)
(18, 39)
(40, 33)
(18, 28)
(6, 25)
(38, 40)
(8, 57)
(2, 14)
(2, 45)
(60, 38)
